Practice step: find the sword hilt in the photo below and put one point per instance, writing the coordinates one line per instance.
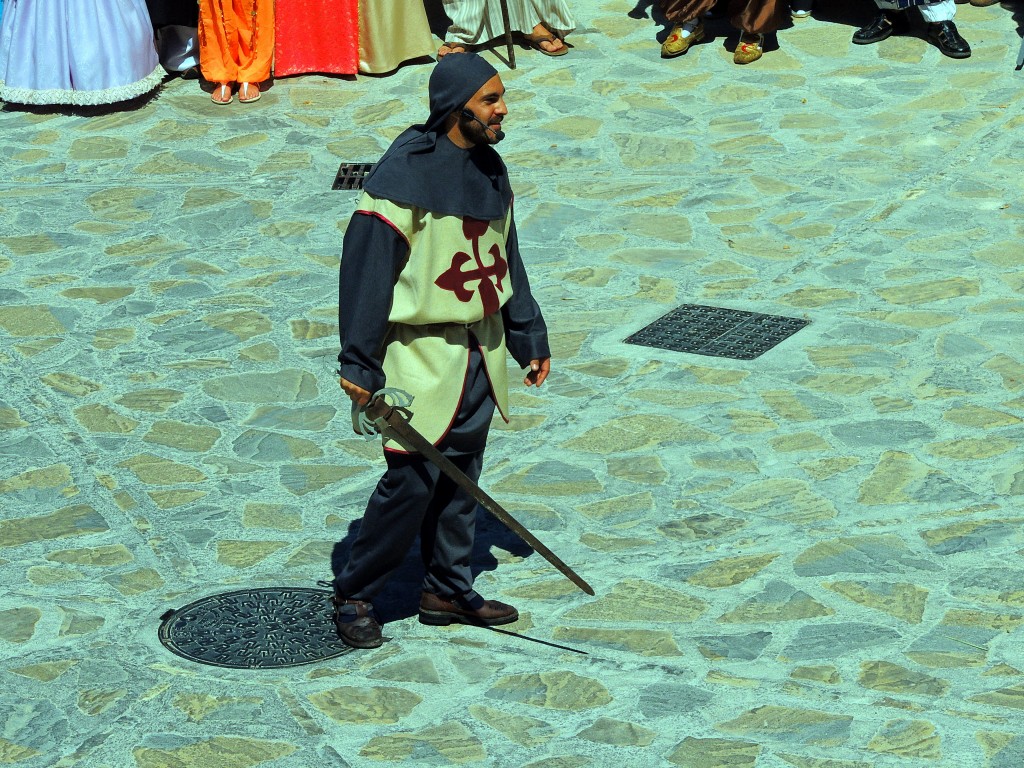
(365, 417)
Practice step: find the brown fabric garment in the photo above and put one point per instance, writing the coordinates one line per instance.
(756, 16)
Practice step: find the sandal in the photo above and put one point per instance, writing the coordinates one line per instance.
(248, 93)
(535, 43)
(453, 47)
(221, 94)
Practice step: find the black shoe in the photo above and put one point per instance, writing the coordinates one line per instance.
(883, 25)
(359, 629)
(946, 38)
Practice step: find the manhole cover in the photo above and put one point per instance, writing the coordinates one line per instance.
(717, 332)
(351, 175)
(255, 629)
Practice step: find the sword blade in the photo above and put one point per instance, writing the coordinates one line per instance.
(391, 423)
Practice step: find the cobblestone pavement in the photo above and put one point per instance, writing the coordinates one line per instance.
(810, 559)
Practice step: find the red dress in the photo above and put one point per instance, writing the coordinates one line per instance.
(305, 43)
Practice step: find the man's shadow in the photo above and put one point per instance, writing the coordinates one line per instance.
(400, 597)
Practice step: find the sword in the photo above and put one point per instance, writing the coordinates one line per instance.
(391, 422)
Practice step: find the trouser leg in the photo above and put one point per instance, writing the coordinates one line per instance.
(255, 39)
(944, 11)
(389, 527)
(682, 11)
(217, 41)
(468, 20)
(759, 17)
(446, 536)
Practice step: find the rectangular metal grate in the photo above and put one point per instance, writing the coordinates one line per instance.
(351, 175)
(717, 332)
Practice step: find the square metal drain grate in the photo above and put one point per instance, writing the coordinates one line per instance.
(717, 332)
(351, 175)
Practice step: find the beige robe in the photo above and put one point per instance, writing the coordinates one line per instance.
(390, 32)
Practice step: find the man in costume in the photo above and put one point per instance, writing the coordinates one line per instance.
(432, 294)
(938, 14)
(754, 19)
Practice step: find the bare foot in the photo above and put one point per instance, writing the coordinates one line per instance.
(221, 94)
(447, 48)
(543, 38)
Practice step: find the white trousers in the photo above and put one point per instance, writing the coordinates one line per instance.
(944, 11)
(477, 21)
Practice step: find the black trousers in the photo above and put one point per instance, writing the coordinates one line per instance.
(415, 497)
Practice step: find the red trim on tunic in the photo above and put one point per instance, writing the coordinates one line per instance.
(388, 222)
(487, 373)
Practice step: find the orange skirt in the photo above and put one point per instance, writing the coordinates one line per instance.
(236, 40)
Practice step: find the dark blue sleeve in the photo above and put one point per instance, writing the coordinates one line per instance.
(526, 334)
(372, 256)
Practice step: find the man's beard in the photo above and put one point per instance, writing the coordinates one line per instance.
(476, 132)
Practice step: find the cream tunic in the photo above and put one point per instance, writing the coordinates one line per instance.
(453, 284)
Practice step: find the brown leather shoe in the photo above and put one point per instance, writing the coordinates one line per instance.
(441, 611)
(362, 630)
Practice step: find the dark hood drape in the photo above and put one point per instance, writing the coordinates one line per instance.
(422, 167)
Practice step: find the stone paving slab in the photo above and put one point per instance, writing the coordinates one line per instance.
(811, 559)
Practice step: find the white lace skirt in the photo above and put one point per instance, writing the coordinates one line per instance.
(76, 51)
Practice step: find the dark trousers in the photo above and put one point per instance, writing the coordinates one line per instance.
(414, 496)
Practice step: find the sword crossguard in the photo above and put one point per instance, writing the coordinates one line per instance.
(366, 426)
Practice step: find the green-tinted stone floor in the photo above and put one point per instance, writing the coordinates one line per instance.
(812, 559)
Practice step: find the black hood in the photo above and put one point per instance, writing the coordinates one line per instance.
(422, 167)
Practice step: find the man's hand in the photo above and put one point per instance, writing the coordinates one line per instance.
(539, 370)
(359, 395)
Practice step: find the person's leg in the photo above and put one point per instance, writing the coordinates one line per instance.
(217, 47)
(390, 523)
(755, 19)
(388, 529)
(447, 532)
(889, 19)
(682, 11)
(447, 547)
(936, 12)
(687, 29)
(942, 31)
(255, 41)
(758, 17)
(467, 23)
(545, 23)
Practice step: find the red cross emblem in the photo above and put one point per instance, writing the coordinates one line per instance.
(455, 279)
